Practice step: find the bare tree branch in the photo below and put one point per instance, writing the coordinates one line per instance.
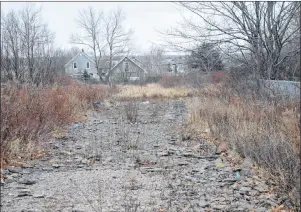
(263, 29)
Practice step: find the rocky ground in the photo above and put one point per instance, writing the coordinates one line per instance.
(111, 164)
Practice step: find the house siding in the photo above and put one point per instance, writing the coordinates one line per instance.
(81, 62)
(133, 74)
(118, 75)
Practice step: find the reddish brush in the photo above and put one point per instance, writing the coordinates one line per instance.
(168, 80)
(29, 113)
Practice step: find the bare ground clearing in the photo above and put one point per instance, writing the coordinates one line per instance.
(110, 164)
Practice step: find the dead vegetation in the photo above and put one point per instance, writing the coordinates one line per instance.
(153, 90)
(265, 130)
(131, 111)
(29, 114)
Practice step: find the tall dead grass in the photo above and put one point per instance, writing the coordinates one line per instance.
(151, 91)
(28, 114)
(267, 131)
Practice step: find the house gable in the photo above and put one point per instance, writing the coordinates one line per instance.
(126, 70)
(121, 61)
(80, 63)
(78, 55)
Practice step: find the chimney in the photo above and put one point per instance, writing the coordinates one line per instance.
(83, 50)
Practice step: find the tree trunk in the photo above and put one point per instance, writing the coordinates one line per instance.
(111, 58)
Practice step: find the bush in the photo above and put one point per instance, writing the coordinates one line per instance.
(29, 113)
(169, 81)
(265, 129)
(131, 111)
(152, 79)
(190, 80)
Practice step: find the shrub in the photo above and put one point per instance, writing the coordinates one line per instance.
(265, 129)
(29, 113)
(131, 111)
(192, 79)
(169, 81)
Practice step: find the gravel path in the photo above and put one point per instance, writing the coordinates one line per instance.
(109, 164)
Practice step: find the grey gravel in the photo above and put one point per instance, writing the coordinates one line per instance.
(109, 164)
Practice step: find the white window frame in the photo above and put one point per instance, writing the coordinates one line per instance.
(75, 65)
(87, 64)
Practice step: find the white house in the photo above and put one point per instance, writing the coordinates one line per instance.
(80, 63)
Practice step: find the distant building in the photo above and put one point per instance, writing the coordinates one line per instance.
(176, 64)
(80, 63)
(127, 70)
(124, 69)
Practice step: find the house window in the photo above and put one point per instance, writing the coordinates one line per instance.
(126, 68)
(88, 64)
(74, 65)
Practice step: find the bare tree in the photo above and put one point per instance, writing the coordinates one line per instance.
(11, 45)
(206, 58)
(26, 41)
(36, 39)
(90, 21)
(73, 51)
(117, 37)
(154, 60)
(262, 29)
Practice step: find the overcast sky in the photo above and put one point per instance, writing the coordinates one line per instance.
(143, 17)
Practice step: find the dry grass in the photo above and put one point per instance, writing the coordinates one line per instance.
(267, 131)
(151, 91)
(29, 114)
(131, 111)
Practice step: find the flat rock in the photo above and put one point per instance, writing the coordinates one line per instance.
(37, 195)
(30, 210)
(24, 193)
(14, 169)
(9, 179)
(4, 171)
(150, 169)
(47, 168)
(190, 155)
(245, 190)
(85, 161)
(27, 181)
(183, 163)
(56, 165)
(209, 157)
(163, 154)
(27, 166)
(203, 203)
(27, 171)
